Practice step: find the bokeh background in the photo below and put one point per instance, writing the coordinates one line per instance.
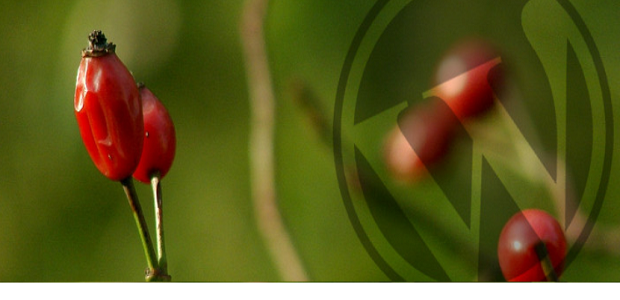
(61, 220)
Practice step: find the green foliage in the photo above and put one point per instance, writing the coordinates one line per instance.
(60, 220)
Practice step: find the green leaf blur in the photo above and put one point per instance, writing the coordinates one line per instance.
(61, 220)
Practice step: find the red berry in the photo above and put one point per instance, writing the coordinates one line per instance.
(422, 139)
(463, 78)
(108, 110)
(159, 139)
(516, 250)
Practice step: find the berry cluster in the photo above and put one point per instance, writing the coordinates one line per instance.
(126, 130)
(532, 245)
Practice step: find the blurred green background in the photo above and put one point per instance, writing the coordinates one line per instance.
(61, 220)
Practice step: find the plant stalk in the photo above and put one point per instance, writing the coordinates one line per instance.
(153, 273)
(159, 224)
(269, 218)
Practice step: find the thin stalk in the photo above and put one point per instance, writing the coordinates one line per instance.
(269, 219)
(152, 271)
(159, 224)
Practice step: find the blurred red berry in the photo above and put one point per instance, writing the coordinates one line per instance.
(421, 139)
(159, 139)
(518, 240)
(108, 109)
(464, 76)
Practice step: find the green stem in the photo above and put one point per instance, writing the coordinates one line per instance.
(152, 272)
(159, 225)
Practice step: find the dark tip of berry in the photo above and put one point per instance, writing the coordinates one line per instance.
(97, 38)
(98, 45)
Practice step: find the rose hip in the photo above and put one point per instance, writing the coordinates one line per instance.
(421, 140)
(466, 76)
(108, 110)
(159, 139)
(520, 242)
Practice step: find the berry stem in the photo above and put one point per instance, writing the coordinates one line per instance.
(261, 97)
(159, 223)
(152, 273)
(545, 262)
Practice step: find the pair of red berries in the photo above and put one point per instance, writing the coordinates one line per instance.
(462, 91)
(125, 128)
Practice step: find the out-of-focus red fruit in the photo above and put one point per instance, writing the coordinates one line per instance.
(466, 76)
(421, 139)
